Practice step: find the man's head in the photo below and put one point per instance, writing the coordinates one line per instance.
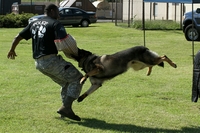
(52, 11)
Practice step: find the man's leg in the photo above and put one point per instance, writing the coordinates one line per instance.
(66, 75)
(69, 93)
(196, 78)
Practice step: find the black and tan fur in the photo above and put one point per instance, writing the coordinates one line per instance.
(102, 68)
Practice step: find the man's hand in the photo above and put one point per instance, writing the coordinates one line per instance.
(11, 55)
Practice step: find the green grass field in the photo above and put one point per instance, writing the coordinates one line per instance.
(131, 102)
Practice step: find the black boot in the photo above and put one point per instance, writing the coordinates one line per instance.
(66, 110)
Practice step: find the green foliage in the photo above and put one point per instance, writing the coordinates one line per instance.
(1, 20)
(156, 25)
(129, 103)
(14, 20)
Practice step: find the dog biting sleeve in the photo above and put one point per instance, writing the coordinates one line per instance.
(196, 78)
(67, 45)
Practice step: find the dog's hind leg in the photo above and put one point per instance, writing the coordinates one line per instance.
(149, 71)
(89, 91)
(160, 63)
(165, 58)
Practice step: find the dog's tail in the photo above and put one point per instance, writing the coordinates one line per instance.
(161, 64)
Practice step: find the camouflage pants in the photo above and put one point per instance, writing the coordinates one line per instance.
(61, 72)
(196, 78)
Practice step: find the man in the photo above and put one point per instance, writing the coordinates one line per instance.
(45, 34)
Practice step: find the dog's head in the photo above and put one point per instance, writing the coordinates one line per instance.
(82, 54)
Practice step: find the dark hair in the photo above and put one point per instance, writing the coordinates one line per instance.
(50, 7)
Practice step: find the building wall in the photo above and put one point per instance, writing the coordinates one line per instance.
(84, 4)
(155, 11)
(188, 7)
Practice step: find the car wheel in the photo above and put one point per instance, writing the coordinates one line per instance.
(191, 33)
(84, 23)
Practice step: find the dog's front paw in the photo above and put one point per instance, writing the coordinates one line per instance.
(148, 74)
(80, 99)
(83, 79)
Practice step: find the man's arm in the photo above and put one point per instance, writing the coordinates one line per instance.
(11, 53)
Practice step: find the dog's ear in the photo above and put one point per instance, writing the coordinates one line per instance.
(75, 57)
(99, 67)
(83, 53)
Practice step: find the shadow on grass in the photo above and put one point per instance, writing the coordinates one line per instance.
(90, 26)
(102, 125)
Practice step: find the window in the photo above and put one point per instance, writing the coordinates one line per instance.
(68, 12)
(155, 9)
(77, 12)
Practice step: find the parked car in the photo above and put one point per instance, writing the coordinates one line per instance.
(192, 29)
(72, 16)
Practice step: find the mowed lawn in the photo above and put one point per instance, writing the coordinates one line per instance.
(131, 102)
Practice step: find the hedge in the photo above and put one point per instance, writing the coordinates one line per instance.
(15, 20)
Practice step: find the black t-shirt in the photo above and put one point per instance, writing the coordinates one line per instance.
(43, 33)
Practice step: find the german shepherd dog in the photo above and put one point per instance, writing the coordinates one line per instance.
(105, 67)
